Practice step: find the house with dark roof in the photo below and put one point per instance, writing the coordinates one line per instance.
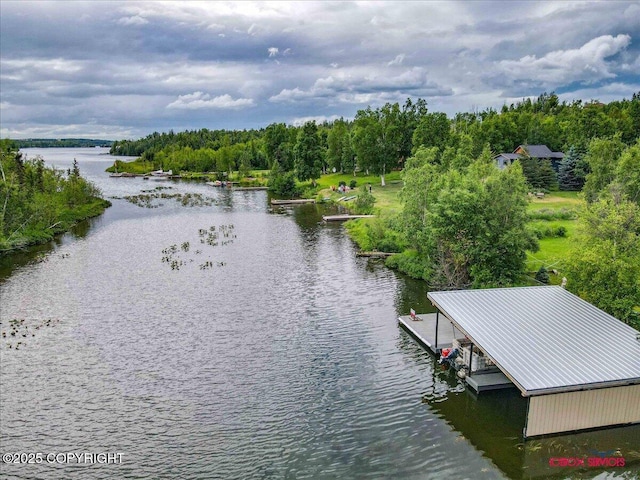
(539, 152)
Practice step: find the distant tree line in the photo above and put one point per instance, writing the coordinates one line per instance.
(61, 143)
(37, 201)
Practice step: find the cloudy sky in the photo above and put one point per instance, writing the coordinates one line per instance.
(116, 69)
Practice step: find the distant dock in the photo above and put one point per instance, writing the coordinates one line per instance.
(374, 254)
(343, 218)
(298, 201)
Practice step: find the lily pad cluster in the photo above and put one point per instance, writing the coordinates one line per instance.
(213, 237)
(19, 331)
(152, 199)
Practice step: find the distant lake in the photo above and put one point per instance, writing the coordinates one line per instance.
(204, 334)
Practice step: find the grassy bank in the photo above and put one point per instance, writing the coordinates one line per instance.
(552, 218)
(256, 178)
(387, 200)
(66, 219)
(138, 167)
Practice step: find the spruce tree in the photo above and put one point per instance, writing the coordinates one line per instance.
(571, 174)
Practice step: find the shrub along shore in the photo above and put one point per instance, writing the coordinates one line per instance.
(38, 202)
(67, 219)
(552, 219)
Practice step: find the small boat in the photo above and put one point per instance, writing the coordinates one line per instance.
(160, 175)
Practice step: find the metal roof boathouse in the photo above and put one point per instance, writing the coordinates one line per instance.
(578, 366)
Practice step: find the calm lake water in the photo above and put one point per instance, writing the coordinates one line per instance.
(258, 346)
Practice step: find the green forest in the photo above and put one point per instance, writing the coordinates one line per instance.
(61, 143)
(37, 201)
(452, 216)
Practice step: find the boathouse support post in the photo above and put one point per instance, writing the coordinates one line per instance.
(470, 357)
(435, 347)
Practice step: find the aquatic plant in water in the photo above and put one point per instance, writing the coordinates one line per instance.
(20, 329)
(150, 199)
(213, 237)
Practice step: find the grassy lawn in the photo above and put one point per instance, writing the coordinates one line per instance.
(386, 197)
(556, 201)
(553, 249)
(551, 253)
(326, 181)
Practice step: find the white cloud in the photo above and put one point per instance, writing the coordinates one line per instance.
(587, 63)
(200, 100)
(273, 51)
(397, 61)
(133, 20)
(290, 95)
(361, 85)
(42, 66)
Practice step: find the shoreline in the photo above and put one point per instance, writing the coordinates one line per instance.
(85, 212)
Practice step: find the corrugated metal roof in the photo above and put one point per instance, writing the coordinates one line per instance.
(545, 339)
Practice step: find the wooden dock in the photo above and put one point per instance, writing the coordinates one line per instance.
(494, 380)
(424, 331)
(292, 201)
(343, 218)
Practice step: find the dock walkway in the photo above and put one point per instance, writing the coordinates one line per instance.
(374, 254)
(482, 382)
(424, 331)
(297, 201)
(342, 218)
